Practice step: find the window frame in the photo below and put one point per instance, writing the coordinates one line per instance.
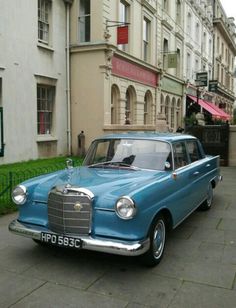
(165, 53)
(185, 155)
(1, 133)
(166, 5)
(115, 104)
(146, 38)
(47, 122)
(189, 24)
(193, 157)
(124, 17)
(178, 12)
(147, 108)
(44, 20)
(86, 27)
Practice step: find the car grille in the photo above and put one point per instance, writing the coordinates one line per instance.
(63, 217)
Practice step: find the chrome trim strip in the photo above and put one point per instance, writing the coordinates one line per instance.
(104, 209)
(117, 247)
(39, 201)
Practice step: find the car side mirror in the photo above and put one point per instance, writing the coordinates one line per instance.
(167, 165)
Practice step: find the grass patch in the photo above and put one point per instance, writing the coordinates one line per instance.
(39, 163)
(13, 174)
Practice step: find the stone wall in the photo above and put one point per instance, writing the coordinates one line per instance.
(232, 146)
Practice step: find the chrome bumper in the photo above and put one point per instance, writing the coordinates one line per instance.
(103, 245)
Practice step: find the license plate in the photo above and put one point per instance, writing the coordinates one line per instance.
(61, 240)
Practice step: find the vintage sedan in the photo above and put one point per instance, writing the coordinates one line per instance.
(130, 190)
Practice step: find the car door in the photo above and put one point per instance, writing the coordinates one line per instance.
(181, 201)
(199, 170)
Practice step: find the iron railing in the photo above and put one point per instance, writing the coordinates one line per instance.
(8, 180)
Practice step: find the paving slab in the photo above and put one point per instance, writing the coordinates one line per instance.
(201, 271)
(59, 296)
(138, 285)
(203, 296)
(15, 287)
(198, 268)
(71, 268)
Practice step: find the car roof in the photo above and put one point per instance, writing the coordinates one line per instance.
(170, 137)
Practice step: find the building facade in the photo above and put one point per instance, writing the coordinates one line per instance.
(106, 66)
(113, 85)
(170, 60)
(198, 51)
(33, 110)
(224, 58)
(214, 56)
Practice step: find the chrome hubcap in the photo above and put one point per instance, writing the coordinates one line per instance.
(159, 239)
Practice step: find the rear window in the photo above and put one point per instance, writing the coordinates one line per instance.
(180, 155)
(194, 151)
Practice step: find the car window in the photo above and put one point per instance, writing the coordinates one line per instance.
(180, 155)
(141, 153)
(193, 150)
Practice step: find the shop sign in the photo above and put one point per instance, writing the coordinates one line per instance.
(126, 69)
(213, 85)
(201, 79)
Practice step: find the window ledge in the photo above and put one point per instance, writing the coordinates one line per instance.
(46, 138)
(128, 127)
(46, 47)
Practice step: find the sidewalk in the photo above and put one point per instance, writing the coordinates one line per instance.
(198, 268)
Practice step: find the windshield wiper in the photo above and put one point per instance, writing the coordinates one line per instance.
(113, 163)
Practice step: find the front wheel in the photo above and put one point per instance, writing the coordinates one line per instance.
(206, 205)
(157, 236)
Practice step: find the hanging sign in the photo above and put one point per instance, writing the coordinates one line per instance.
(172, 60)
(122, 35)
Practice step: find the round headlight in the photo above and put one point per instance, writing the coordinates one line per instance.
(19, 194)
(125, 208)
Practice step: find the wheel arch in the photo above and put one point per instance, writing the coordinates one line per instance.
(213, 183)
(167, 216)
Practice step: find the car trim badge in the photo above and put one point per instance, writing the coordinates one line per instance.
(78, 206)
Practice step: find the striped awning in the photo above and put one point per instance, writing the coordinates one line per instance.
(216, 112)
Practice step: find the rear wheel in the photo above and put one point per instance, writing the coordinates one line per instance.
(206, 205)
(157, 238)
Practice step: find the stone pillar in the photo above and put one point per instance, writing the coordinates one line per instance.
(161, 125)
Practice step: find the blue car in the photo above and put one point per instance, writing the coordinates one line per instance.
(131, 189)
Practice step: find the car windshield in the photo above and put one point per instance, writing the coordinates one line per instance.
(129, 153)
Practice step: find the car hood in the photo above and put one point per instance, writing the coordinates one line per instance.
(105, 183)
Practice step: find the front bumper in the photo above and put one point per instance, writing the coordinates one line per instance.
(113, 246)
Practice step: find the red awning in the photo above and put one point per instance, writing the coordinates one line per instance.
(224, 115)
(216, 112)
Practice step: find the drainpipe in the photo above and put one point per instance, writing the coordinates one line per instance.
(68, 3)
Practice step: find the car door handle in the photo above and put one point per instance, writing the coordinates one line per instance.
(196, 173)
(208, 165)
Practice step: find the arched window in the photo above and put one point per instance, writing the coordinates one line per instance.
(172, 113)
(129, 105)
(162, 104)
(178, 113)
(167, 111)
(115, 100)
(147, 114)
